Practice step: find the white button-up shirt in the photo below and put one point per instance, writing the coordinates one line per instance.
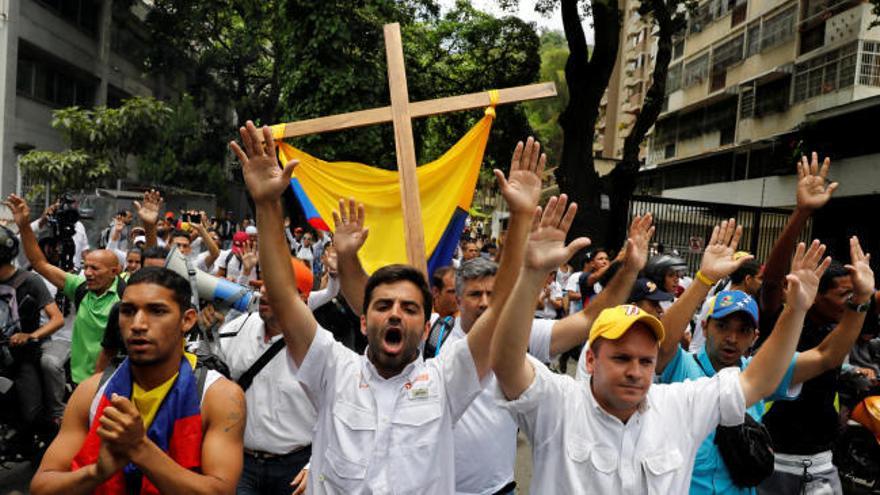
(485, 436)
(383, 436)
(280, 416)
(579, 448)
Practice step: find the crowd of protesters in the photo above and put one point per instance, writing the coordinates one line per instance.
(344, 382)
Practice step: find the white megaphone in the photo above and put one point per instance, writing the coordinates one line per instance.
(211, 288)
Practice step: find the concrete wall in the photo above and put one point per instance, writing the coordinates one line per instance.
(858, 176)
(27, 122)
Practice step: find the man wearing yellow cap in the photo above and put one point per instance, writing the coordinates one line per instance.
(618, 433)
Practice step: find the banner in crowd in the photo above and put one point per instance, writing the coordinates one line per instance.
(446, 189)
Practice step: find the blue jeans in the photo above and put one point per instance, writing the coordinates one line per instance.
(271, 476)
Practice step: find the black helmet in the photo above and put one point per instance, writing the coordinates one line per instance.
(8, 245)
(659, 265)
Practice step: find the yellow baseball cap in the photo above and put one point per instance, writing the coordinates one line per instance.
(612, 323)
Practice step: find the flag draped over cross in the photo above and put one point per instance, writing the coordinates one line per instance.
(400, 113)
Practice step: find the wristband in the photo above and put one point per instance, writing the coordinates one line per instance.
(703, 278)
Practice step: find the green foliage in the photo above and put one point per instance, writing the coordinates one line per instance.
(188, 151)
(544, 114)
(288, 60)
(469, 51)
(100, 140)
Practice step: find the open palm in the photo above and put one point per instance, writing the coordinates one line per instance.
(148, 211)
(807, 268)
(812, 191)
(718, 261)
(522, 189)
(860, 270)
(546, 246)
(265, 180)
(350, 234)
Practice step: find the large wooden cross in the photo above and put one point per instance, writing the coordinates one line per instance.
(401, 112)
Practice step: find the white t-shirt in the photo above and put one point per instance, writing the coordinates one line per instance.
(577, 447)
(549, 311)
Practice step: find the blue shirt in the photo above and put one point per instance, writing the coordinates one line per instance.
(710, 474)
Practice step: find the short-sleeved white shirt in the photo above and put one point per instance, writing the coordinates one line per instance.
(281, 417)
(384, 436)
(485, 436)
(577, 447)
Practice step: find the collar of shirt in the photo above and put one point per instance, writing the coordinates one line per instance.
(706, 363)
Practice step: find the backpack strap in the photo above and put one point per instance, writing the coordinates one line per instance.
(201, 377)
(17, 279)
(106, 374)
(247, 378)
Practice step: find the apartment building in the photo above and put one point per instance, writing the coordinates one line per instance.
(629, 82)
(755, 83)
(58, 53)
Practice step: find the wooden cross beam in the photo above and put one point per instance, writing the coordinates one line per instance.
(400, 113)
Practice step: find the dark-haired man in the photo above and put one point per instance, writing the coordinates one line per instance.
(157, 424)
(385, 418)
(747, 278)
(23, 297)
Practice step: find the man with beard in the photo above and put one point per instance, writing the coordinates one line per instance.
(385, 418)
(158, 423)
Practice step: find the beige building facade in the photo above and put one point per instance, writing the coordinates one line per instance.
(749, 83)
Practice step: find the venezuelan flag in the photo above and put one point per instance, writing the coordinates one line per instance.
(446, 189)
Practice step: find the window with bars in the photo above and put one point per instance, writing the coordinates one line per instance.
(696, 71)
(772, 97)
(869, 70)
(825, 73)
(727, 53)
(778, 29)
(747, 101)
(673, 78)
(753, 39)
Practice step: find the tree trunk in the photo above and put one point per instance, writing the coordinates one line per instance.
(622, 180)
(586, 77)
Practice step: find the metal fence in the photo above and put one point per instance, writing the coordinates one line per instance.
(685, 226)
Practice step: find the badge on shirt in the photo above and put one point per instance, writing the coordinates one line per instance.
(416, 393)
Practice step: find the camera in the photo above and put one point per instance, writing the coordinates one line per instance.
(62, 225)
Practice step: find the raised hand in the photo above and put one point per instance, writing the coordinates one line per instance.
(148, 211)
(522, 189)
(21, 212)
(812, 191)
(860, 271)
(266, 181)
(350, 233)
(718, 261)
(807, 268)
(634, 253)
(249, 257)
(546, 247)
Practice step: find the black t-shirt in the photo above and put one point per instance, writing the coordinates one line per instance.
(809, 424)
(587, 290)
(31, 296)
